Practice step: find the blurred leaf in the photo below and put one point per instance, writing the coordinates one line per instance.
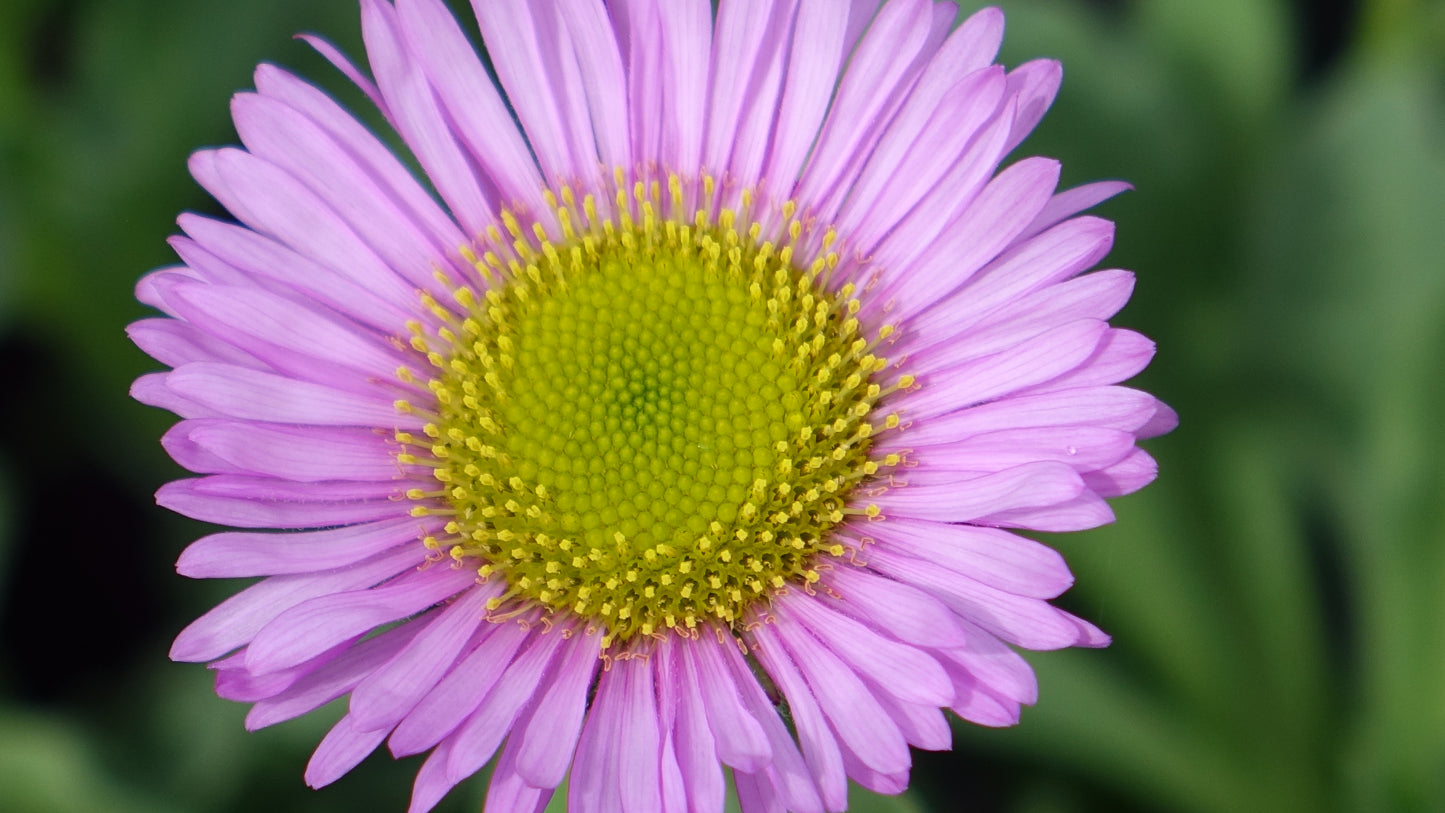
(49, 767)
(1351, 225)
(1236, 54)
(864, 801)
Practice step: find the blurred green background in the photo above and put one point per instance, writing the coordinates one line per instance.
(1277, 597)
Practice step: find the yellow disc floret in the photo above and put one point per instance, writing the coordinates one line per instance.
(653, 423)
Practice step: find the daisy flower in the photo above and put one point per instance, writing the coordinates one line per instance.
(680, 417)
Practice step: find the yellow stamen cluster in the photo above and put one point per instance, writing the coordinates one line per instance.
(652, 422)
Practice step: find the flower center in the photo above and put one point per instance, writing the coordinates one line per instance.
(652, 423)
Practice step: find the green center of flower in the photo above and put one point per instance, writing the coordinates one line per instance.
(653, 423)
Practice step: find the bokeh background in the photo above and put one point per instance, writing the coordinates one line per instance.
(1277, 597)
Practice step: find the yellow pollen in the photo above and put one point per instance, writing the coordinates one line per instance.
(653, 421)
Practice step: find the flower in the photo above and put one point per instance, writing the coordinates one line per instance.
(705, 399)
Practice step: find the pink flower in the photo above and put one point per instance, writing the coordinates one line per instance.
(733, 355)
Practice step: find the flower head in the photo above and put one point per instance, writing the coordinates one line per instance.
(729, 363)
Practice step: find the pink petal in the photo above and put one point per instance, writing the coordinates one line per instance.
(812, 71)
(1030, 485)
(820, 748)
(151, 390)
(977, 703)
(343, 748)
(459, 693)
(883, 63)
(192, 456)
(1085, 511)
(231, 555)
(593, 785)
(395, 688)
(173, 343)
(279, 267)
(1165, 420)
(305, 454)
(1125, 477)
(905, 671)
(984, 230)
(236, 620)
(373, 156)
(476, 740)
(746, 69)
(888, 784)
(241, 392)
(545, 745)
(992, 663)
(432, 781)
(906, 613)
(1036, 83)
(1027, 622)
(1084, 448)
(916, 233)
(417, 116)
(995, 557)
(1105, 407)
(339, 61)
(862, 726)
(471, 100)
(1049, 357)
(741, 741)
(274, 130)
(603, 79)
(322, 622)
(1070, 202)
(271, 201)
(262, 502)
(552, 110)
(508, 791)
(637, 747)
(333, 679)
(787, 773)
(696, 752)
(306, 342)
(922, 726)
(917, 152)
(1120, 355)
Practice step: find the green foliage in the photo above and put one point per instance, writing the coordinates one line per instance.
(1277, 598)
